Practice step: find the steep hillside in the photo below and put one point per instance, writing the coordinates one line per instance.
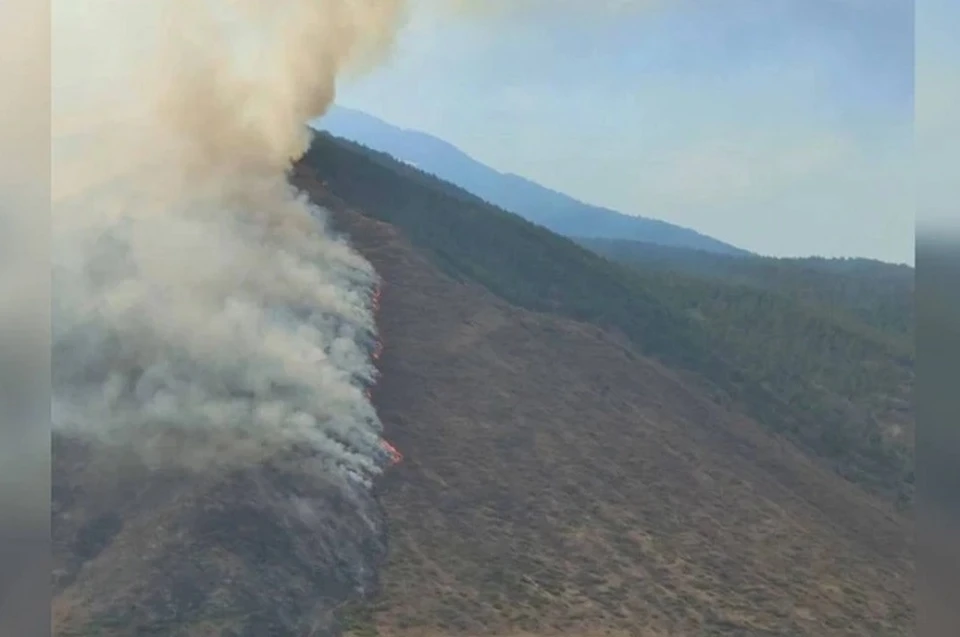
(840, 392)
(554, 210)
(877, 294)
(557, 480)
(556, 483)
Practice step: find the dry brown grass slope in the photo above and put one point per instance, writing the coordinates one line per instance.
(557, 484)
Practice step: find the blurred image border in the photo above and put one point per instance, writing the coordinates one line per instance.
(937, 100)
(25, 564)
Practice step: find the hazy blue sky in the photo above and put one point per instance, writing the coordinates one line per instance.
(782, 126)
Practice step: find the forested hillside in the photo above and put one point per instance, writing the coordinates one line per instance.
(872, 292)
(838, 386)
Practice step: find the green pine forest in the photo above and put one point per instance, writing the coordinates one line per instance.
(821, 351)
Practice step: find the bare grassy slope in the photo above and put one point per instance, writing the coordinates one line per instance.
(556, 483)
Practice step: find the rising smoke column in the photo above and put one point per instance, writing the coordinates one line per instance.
(203, 312)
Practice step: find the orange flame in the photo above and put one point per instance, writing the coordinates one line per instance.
(395, 456)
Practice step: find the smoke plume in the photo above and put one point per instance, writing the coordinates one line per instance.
(204, 313)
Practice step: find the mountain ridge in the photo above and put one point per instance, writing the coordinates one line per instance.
(552, 209)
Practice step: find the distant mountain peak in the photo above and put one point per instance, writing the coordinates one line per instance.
(554, 210)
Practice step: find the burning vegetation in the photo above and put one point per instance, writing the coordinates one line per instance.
(393, 454)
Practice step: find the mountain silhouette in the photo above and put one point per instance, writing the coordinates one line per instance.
(541, 205)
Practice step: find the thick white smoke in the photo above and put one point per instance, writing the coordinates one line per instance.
(203, 312)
